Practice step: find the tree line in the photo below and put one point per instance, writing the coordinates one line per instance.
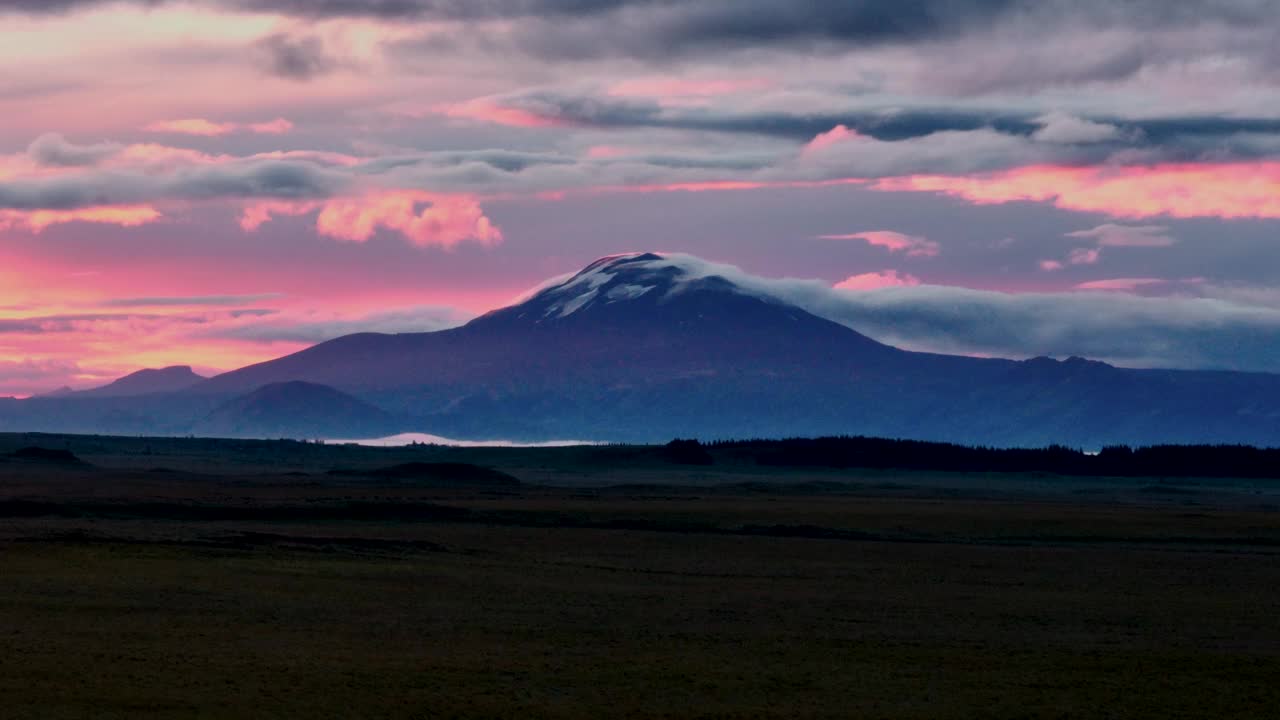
(1241, 461)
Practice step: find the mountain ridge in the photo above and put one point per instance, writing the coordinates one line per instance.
(147, 381)
(645, 347)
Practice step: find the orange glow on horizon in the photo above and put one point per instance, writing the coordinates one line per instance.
(39, 220)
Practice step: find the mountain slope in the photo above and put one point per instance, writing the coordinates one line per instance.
(297, 409)
(146, 382)
(621, 317)
(647, 347)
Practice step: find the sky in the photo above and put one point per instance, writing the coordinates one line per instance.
(221, 182)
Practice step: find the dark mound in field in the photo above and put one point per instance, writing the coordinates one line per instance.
(47, 455)
(440, 473)
(686, 452)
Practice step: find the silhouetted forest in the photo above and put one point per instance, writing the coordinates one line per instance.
(1162, 460)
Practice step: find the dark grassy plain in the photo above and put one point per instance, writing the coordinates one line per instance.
(199, 578)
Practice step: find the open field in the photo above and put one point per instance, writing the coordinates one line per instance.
(170, 578)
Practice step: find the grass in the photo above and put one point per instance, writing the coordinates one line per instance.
(941, 599)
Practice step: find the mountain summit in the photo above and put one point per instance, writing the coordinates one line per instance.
(648, 346)
(146, 382)
(655, 335)
(634, 280)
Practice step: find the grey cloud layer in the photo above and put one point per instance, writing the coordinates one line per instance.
(1117, 327)
(246, 179)
(52, 324)
(675, 25)
(53, 150)
(916, 143)
(658, 31)
(1192, 133)
(1005, 44)
(1185, 332)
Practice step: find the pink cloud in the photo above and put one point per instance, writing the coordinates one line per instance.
(258, 214)
(121, 343)
(1084, 256)
(721, 185)
(894, 242)
(153, 155)
(279, 126)
(37, 220)
(877, 280)
(1223, 190)
(1120, 284)
(192, 126)
(493, 111)
(209, 128)
(835, 135)
(426, 219)
(607, 151)
(32, 376)
(1050, 265)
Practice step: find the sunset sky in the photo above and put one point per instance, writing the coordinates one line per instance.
(222, 182)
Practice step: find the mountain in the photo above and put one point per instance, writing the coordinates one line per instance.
(646, 347)
(297, 409)
(145, 382)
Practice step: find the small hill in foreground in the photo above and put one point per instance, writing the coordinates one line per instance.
(446, 474)
(46, 455)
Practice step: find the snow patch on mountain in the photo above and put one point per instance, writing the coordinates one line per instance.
(580, 290)
(620, 278)
(627, 292)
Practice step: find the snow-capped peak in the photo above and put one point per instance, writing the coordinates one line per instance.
(626, 277)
